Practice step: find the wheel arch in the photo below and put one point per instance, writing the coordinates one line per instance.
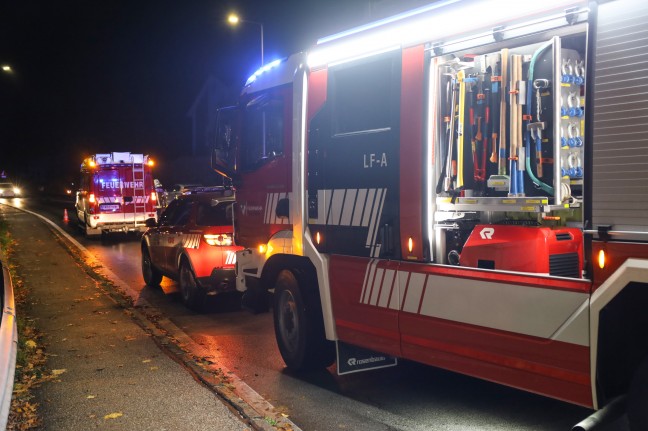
(144, 244)
(279, 262)
(275, 264)
(619, 330)
(184, 256)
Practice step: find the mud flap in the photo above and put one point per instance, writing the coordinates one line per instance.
(92, 232)
(353, 359)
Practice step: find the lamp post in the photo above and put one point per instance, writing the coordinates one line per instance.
(234, 19)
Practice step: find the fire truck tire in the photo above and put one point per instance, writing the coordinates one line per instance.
(299, 326)
(152, 277)
(192, 295)
(638, 399)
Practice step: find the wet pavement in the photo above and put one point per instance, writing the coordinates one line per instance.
(110, 374)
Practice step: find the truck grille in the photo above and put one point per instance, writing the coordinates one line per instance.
(564, 265)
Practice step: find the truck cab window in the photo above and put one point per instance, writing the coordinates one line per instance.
(361, 94)
(263, 128)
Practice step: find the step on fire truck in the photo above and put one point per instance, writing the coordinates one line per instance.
(116, 193)
(463, 185)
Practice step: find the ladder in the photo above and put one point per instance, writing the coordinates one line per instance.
(139, 190)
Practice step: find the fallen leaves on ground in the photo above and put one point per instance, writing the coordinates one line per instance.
(30, 366)
(114, 415)
(31, 344)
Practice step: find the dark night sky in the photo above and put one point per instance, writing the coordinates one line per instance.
(120, 75)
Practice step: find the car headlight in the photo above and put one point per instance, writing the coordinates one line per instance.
(16, 190)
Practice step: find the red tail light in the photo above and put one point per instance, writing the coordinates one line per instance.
(153, 197)
(92, 199)
(221, 239)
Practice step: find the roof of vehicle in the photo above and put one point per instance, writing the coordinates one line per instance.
(224, 195)
(186, 185)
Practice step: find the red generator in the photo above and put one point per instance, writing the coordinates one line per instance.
(542, 250)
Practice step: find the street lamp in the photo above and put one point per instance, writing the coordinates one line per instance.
(6, 68)
(234, 19)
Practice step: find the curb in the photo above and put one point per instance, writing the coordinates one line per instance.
(234, 392)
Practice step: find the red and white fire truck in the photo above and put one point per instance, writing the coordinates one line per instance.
(463, 185)
(116, 193)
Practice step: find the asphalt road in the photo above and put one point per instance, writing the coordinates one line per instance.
(408, 397)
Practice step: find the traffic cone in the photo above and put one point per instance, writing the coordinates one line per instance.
(65, 216)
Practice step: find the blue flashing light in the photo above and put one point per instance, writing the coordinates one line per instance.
(265, 68)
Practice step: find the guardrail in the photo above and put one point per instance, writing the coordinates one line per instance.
(8, 346)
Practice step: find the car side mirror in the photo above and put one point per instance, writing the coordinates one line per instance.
(150, 222)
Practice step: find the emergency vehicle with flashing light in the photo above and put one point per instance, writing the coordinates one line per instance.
(462, 185)
(116, 193)
(193, 244)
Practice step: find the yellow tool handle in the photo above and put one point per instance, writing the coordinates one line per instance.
(461, 75)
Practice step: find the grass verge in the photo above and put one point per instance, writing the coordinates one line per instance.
(31, 357)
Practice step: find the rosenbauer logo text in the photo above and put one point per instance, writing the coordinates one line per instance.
(353, 362)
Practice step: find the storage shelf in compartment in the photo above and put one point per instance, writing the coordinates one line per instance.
(507, 204)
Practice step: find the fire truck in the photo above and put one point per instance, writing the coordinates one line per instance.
(116, 193)
(462, 185)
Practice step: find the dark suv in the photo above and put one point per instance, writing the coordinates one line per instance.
(193, 243)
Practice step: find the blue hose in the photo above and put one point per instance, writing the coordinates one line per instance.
(527, 135)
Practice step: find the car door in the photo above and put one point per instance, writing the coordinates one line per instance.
(157, 236)
(173, 240)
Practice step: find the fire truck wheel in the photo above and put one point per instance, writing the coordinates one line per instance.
(638, 399)
(152, 277)
(299, 326)
(192, 295)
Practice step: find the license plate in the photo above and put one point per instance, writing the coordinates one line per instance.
(109, 207)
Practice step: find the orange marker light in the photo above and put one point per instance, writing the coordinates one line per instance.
(92, 163)
(262, 248)
(601, 259)
(318, 238)
(410, 244)
(153, 196)
(92, 199)
(151, 162)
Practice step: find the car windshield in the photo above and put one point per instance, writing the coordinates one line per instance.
(214, 215)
